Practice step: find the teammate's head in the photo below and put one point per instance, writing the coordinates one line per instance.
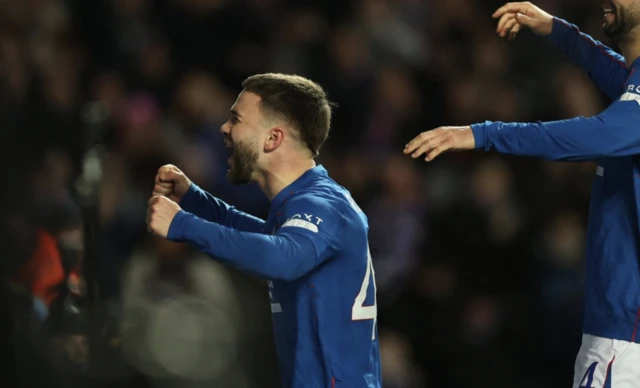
(620, 17)
(275, 114)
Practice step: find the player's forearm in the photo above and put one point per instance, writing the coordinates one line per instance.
(266, 256)
(205, 205)
(578, 139)
(605, 67)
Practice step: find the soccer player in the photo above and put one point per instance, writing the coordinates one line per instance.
(313, 247)
(610, 351)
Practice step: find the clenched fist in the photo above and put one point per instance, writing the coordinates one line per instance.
(514, 16)
(160, 213)
(171, 183)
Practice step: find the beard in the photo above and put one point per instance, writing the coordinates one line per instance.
(625, 20)
(242, 163)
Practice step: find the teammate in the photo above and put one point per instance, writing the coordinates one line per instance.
(313, 247)
(610, 351)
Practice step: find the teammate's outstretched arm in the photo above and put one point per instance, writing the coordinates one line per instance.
(605, 67)
(614, 132)
(172, 183)
(308, 237)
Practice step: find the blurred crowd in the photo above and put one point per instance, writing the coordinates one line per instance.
(478, 257)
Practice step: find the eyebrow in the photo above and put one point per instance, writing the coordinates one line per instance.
(235, 113)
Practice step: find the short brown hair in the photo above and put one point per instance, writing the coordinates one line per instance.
(300, 101)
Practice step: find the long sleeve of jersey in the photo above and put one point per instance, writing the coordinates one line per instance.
(605, 67)
(307, 238)
(210, 208)
(612, 133)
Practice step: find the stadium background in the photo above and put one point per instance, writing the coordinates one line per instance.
(478, 257)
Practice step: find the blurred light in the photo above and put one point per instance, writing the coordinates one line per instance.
(173, 332)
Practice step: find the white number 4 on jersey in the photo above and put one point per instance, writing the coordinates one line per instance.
(359, 311)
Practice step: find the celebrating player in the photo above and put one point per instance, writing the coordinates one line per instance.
(313, 247)
(610, 351)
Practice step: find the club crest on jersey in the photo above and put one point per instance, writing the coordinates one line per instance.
(304, 221)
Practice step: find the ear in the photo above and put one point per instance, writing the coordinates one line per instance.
(275, 137)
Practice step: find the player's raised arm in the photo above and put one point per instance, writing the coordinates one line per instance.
(175, 185)
(606, 68)
(305, 239)
(614, 132)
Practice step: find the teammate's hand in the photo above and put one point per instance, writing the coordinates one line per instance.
(160, 213)
(514, 16)
(440, 140)
(171, 183)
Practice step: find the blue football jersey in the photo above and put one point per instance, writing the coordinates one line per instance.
(325, 321)
(612, 138)
(313, 250)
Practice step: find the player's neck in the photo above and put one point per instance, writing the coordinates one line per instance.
(630, 46)
(281, 174)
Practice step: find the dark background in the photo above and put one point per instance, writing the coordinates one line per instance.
(478, 257)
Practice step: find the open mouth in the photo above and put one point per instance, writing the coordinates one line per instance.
(229, 147)
(608, 10)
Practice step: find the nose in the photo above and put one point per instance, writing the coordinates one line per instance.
(225, 128)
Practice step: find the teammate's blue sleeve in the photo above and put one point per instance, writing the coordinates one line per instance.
(614, 132)
(304, 241)
(205, 205)
(606, 68)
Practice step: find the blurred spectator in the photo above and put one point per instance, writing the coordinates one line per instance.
(396, 227)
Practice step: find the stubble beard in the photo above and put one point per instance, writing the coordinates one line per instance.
(243, 162)
(620, 29)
